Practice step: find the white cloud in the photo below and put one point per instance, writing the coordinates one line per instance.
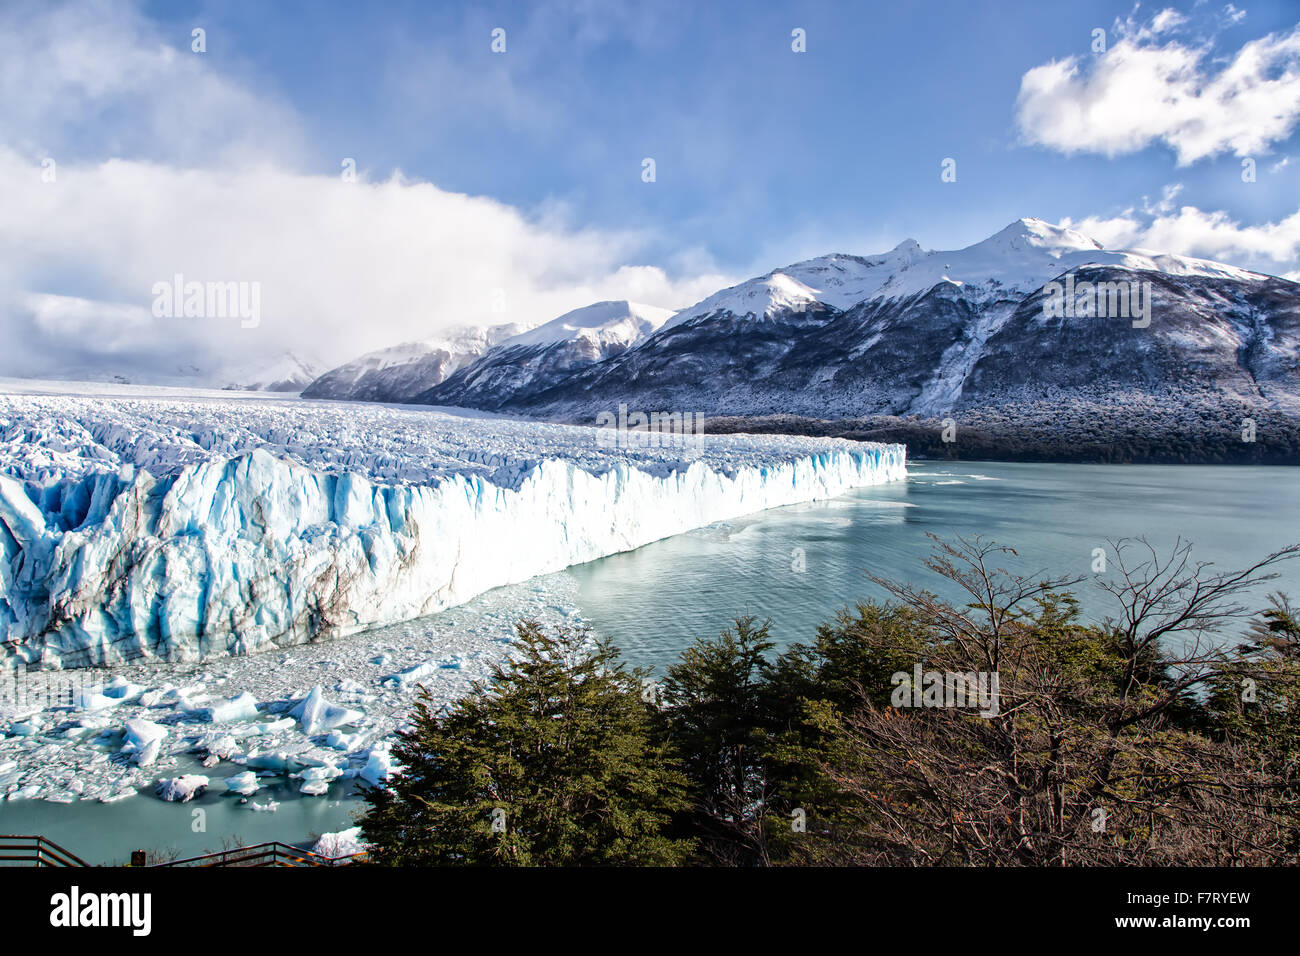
(96, 74)
(1128, 228)
(1270, 247)
(1113, 232)
(1216, 235)
(167, 165)
(1166, 20)
(1149, 88)
(343, 267)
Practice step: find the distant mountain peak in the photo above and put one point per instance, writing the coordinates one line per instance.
(285, 372)
(532, 362)
(400, 372)
(608, 322)
(1039, 234)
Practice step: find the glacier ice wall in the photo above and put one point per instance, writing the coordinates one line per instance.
(239, 553)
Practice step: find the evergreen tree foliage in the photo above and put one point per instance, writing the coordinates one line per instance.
(553, 761)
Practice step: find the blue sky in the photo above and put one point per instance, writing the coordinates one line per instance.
(763, 155)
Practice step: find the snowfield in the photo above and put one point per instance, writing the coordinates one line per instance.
(178, 527)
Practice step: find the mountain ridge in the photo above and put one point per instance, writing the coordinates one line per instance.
(400, 372)
(916, 332)
(923, 335)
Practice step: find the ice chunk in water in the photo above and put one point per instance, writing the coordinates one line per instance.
(243, 707)
(243, 783)
(317, 715)
(181, 789)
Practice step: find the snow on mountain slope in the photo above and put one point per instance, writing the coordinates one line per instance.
(837, 281)
(603, 324)
(286, 373)
(1029, 253)
(915, 332)
(1022, 257)
(535, 360)
(162, 527)
(289, 372)
(400, 372)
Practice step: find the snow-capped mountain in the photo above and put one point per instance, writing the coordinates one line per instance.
(916, 332)
(286, 373)
(401, 372)
(534, 361)
(1022, 257)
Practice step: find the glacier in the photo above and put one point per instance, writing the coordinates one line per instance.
(138, 525)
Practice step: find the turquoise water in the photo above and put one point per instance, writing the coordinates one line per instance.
(657, 599)
(106, 833)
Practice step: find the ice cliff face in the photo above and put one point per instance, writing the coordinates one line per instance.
(177, 529)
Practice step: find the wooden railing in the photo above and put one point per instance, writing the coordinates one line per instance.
(265, 854)
(38, 851)
(35, 851)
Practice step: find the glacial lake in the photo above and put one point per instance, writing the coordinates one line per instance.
(795, 565)
(655, 600)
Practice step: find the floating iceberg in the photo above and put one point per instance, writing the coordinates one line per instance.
(411, 676)
(26, 728)
(277, 761)
(143, 740)
(93, 700)
(119, 688)
(147, 754)
(168, 528)
(243, 783)
(316, 780)
(318, 715)
(181, 789)
(242, 707)
(139, 732)
(379, 766)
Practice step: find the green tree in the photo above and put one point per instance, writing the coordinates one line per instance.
(553, 761)
(717, 712)
(1254, 711)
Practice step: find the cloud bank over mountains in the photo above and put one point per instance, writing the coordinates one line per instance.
(129, 159)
